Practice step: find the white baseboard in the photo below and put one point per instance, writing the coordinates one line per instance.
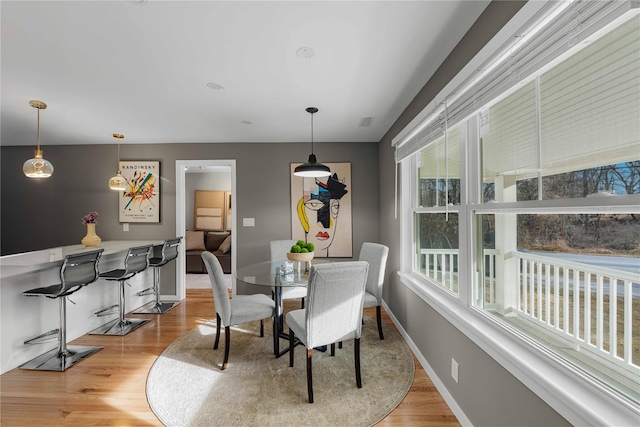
(444, 392)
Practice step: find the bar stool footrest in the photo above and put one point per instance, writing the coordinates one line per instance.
(156, 308)
(117, 327)
(54, 361)
(108, 311)
(52, 335)
(148, 291)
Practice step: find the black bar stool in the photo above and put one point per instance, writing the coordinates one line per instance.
(76, 272)
(169, 253)
(136, 261)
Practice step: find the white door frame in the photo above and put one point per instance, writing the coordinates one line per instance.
(181, 167)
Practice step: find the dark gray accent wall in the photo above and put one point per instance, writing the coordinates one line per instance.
(44, 214)
(487, 393)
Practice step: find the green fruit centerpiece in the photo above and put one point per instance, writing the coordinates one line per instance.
(301, 252)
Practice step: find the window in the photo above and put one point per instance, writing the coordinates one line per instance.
(439, 171)
(527, 211)
(436, 218)
(437, 242)
(576, 125)
(551, 282)
(550, 274)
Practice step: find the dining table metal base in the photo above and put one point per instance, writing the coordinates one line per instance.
(270, 273)
(278, 328)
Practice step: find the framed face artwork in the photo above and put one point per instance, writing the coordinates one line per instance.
(140, 202)
(321, 211)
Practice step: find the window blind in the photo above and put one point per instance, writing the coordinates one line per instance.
(589, 113)
(556, 29)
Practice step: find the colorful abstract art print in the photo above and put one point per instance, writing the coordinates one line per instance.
(140, 202)
(321, 211)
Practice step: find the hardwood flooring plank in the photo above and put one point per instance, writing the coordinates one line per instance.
(108, 388)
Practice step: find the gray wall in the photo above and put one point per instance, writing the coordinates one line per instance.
(38, 215)
(487, 393)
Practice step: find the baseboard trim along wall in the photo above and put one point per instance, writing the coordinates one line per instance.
(442, 389)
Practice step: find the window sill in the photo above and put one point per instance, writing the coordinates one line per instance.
(574, 395)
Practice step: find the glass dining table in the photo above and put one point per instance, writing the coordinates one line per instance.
(267, 273)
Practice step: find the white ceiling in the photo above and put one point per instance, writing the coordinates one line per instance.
(141, 68)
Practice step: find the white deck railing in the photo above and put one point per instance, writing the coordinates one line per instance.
(577, 314)
(573, 301)
(442, 266)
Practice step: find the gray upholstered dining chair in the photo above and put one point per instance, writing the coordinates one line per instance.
(376, 255)
(278, 251)
(334, 312)
(240, 309)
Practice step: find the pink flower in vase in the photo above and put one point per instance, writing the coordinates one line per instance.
(90, 218)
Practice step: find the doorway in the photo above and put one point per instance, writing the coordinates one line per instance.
(183, 167)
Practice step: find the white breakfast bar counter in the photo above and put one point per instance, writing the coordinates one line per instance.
(22, 318)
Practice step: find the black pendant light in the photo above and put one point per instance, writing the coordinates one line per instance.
(312, 168)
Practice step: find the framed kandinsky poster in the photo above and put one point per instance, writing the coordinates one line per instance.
(140, 202)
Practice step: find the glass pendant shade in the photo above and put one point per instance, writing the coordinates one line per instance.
(38, 167)
(312, 169)
(117, 182)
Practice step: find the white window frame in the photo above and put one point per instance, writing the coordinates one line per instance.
(572, 393)
(455, 209)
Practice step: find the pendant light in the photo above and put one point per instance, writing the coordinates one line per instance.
(38, 167)
(312, 168)
(118, 182)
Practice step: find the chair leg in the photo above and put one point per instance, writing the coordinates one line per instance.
(215, 346)
(262, 327)
(309, 375)
(291, 347)
(227, 342)
(340, 344)
(356, 356)
(333, 349)
(379, 316)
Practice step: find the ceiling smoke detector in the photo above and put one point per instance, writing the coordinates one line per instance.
(305, 52)
(215, 86)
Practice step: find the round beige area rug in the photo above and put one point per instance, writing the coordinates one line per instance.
(186, 387)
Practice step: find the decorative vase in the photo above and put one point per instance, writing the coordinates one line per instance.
(91, 240)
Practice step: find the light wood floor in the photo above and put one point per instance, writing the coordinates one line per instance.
(108, 388)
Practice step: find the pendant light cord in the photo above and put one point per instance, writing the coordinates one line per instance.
(118, 137)
(311, 133)
(38, 129)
